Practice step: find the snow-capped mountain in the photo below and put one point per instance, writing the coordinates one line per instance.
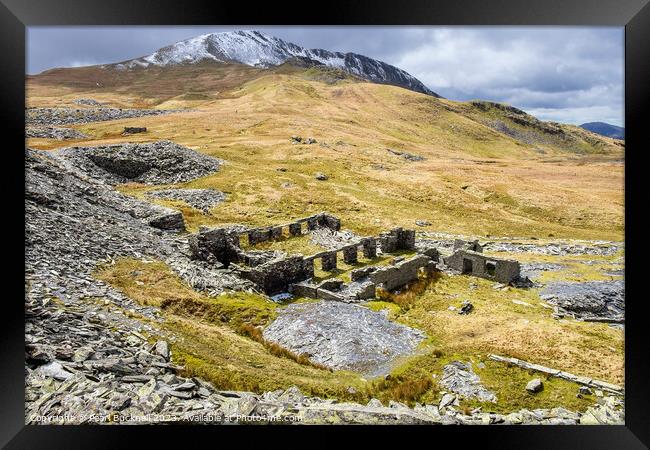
(261, 50)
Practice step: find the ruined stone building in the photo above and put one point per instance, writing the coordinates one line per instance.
(477, 264)
(275, 272)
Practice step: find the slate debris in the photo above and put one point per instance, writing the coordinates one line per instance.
(587, 300)
(201, 199)
(161, 162)
(459, 378)
(342, 336)
(70, 116)
(49, 132)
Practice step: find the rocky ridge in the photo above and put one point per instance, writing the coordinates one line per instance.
(258, 49)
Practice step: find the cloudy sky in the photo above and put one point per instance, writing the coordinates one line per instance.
(567, 74)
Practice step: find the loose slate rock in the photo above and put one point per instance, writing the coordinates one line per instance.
(343, 336)
(459, 378)
(466, 308)
(162, 162)
(201, 199)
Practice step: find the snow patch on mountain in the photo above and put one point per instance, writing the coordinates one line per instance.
(257, 49)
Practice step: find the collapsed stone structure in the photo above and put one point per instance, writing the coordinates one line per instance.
(397, 239)
(271, 272)
(366, 280)
(275, 273)
(468, 258)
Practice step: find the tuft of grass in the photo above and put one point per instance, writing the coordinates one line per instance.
(255, 333)
(400, 388)
(509, 385)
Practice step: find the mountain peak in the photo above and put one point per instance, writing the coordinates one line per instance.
(254, 48)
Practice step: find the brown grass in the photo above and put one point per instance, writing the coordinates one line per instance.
(253, 113)
(255, 333)
(407, 296)
(400, 388)
(496, 325)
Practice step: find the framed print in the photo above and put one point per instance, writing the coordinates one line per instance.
(400, 218)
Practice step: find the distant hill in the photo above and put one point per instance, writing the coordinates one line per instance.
(605, 129)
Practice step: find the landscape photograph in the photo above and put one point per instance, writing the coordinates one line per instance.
(324, 225)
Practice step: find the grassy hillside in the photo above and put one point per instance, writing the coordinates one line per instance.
(487, 169)
(526, 179)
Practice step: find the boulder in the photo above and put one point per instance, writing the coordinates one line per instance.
(535, 385)
(167, 219)
(162, 348)
(466, 307)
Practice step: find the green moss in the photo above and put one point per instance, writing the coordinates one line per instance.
(377, 305)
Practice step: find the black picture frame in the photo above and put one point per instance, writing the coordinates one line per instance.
(16, 15)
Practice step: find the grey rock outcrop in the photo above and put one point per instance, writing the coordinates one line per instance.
(405, 155)
(459, 378)
(87, 102)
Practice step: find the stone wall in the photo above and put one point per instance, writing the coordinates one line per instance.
(473, 246)
(274, 277)
(134, 130)
(479, 265)
(221, 244)
(366, 280)
(396, 239)
(404, 272)
(275, 232)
